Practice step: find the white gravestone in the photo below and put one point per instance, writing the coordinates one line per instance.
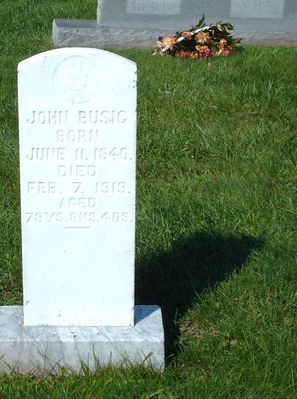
(77, 119)
(257, 8)
(158, 14)
(77, 122)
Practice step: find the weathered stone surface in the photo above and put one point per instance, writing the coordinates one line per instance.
(73, 33)
(47, 349)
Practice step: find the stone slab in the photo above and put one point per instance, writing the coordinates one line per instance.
(72, 33)
(84, 33)
(48, 349)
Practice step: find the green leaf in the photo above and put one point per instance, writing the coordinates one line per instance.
(201, 22)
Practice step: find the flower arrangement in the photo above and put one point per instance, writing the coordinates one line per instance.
(201, 41)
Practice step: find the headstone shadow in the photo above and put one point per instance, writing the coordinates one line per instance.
(174, 278)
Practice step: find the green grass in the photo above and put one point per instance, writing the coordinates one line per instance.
(216, 217)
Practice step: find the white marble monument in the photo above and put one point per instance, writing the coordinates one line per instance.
(77, 123)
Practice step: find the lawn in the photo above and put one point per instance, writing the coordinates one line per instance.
(216, 217)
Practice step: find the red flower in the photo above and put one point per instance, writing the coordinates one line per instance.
(204, 51)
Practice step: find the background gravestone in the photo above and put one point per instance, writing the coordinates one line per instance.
(77, 122)
(138, 23)
(159, 14)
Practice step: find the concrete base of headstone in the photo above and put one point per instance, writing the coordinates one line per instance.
(273, 38)
(87, 33)
(49, 349)
(84, 33)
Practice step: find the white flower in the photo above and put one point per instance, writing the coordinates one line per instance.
(201, 29)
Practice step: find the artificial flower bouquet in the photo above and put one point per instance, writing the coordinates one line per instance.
(201, 41)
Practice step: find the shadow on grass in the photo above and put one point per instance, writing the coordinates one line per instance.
(173, 279)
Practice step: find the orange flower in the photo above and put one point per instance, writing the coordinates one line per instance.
(169, 42)
(187, 35)
(223, 48)
(164, 44)
(222, 44)
(203, 37)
